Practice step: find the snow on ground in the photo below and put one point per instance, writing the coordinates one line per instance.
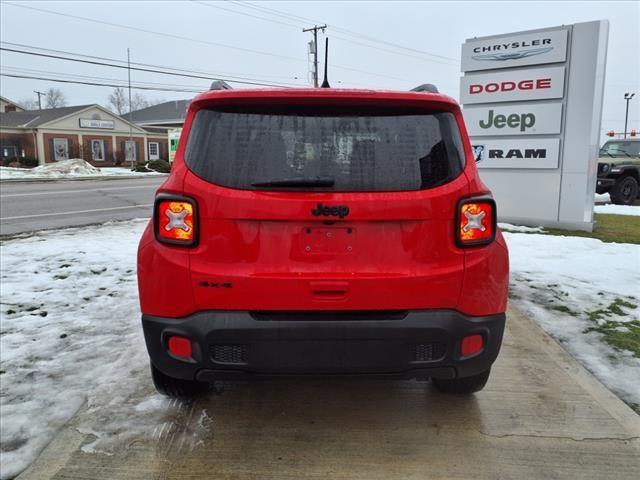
(519, 228)
(584, 293)
(72, 168)
(70, 336)
(602, 198)
(633, 210)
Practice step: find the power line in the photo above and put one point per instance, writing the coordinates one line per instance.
(148, 70)
(96, 84)
(241, 76)
(289, 16)
(245, 14)
(152, 32)
(179, 37)
(333, 36)
(73, 76)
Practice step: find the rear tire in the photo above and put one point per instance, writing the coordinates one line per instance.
(625, 191)
(463, 386)
(176, 387)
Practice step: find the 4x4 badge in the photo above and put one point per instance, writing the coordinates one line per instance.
(337, 211)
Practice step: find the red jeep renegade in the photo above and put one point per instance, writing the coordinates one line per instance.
(323, 232)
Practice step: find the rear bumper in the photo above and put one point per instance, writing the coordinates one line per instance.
(235, 344)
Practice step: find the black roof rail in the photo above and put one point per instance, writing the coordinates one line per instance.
(220, 85)
(426, 87)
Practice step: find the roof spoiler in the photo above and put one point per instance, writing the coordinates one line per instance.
(220, 85)
(426, 87)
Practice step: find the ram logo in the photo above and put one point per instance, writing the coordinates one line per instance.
(478, 152)
(518, 153)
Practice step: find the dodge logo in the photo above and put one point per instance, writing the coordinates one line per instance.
(538, 84)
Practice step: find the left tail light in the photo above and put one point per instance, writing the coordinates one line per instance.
(476, 222)
(175, 220)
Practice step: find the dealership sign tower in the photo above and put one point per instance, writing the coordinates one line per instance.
(532, 105)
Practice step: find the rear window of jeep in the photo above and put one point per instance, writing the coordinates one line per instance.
(341, 151)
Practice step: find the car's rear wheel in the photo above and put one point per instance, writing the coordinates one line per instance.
(625, 191)
(176, 387)
(463, 386)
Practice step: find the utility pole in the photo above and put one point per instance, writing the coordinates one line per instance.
(39, 102)
(628, 98)
(315, 29)
(130, 124)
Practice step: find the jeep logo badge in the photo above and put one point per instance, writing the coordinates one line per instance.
(515, 121)
(325, 210)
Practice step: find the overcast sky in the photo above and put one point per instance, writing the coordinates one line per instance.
(232, 39)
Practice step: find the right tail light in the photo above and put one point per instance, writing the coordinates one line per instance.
(475, 221)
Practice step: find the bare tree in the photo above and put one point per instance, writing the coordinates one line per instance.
(29, 104)
(139, 102)
(118, 102)
(55, 98)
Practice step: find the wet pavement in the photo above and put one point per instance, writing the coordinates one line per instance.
(540, 416)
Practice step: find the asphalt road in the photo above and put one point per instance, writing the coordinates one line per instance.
(541, 416)
(27, 207)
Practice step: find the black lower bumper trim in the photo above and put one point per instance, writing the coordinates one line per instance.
(603, 185)
(234, 344)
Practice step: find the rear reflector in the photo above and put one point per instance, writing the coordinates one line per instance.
(471, 345)
(476, 222)
(180, 347)
(175, 220)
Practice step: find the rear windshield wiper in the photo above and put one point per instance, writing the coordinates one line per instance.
(297, 182)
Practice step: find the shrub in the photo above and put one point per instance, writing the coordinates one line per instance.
(161, 166)
(28, 162)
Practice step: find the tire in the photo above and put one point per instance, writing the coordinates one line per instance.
(625, 191)
(176, 387)
(463, 386)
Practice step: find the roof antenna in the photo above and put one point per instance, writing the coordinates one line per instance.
(325, 82)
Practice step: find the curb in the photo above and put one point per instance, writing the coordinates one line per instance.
(76, 179)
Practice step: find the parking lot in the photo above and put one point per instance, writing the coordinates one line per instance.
(541, 416)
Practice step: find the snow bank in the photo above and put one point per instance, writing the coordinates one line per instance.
(71, 336)
(633, 210)
(75, 167)
(602, 198)
(561, 281)
(519, 228)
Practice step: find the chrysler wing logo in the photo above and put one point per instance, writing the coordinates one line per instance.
(514, 55)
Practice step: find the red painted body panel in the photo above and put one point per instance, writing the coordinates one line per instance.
(263, 250)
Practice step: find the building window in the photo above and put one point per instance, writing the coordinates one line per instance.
(154, 151)
(130, 151)
(97, 150)
(60, 149)
(9, 152)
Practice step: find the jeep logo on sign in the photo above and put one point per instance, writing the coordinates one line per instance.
(522, 121)
(327, 211)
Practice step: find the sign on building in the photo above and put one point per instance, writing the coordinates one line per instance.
(532, 103)
(174, 139)
(97, 123)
